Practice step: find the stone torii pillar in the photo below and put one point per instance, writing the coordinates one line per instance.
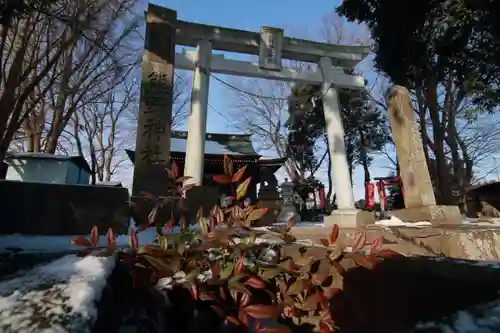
(346, 214)
(197, 121)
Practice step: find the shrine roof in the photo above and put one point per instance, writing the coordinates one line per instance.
(216, 144)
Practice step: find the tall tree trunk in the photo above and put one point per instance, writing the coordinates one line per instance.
(426, 142)
(58, 124)
(364, 158)
(443, 186)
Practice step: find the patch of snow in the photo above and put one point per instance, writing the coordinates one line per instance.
(395, 222)
(54, 244)
(481, 263)
(484, 318)
(41, 244)
(484, 221)
(58, 297)
(28, 243)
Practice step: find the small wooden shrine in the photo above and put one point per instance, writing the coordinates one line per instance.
(238, 147)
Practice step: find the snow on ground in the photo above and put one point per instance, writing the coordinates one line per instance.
(484, 318)
(28, 243)
(395, 222)
(63, 243)
(57, 297)
(483, 222)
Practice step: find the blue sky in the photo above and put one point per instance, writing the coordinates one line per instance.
(299, 19)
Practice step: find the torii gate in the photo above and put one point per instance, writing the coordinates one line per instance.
(271, 46)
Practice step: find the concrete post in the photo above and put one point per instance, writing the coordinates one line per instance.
(197, 121)
(335, 133)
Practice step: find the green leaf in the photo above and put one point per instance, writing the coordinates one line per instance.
(238, 287)
(298, 286)
(236, 279)
(269, 273)
(227, 270)
(192, 275)
(163, 242)
(159, 230)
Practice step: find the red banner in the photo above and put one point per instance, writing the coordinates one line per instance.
(321, 194)
(369, 196)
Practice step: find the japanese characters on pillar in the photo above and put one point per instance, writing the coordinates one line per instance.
(154, 126)
(155, 111)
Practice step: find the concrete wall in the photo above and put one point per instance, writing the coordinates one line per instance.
(48, 209)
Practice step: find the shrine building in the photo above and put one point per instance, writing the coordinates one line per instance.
(238, 147)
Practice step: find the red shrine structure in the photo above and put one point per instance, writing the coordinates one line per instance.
(239, 148)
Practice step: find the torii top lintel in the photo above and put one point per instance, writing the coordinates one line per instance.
(248, 42)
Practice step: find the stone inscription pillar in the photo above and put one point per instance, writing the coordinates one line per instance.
(197, 122)
(155, 110)
(335, 133)
(413, 166)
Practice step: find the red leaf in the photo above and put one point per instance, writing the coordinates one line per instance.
(239, 265)
(377, 244)
(324, 242)
(244, 300)
(243, 317)
(363, 260)
(148, 195)
(386, 253)
(261, 311)
(239, 174)
(330, 292)
(233, 320)
(222, 179)
(359, 242)
(323, 301)
(182, 179)
(218, 310)
(175, 170)
(111, 239)
(256, 325)
(80, 241)
(186, 187)
(194, 291)
(94, 236)
(334, 234)
(230, 198)
(255, 282)
(134, 243)
(215, 269)
(325, 330)
(168, 227)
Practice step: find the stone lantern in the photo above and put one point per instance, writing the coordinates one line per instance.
(288, 196)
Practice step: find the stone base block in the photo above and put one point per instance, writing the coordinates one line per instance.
(435, 214)
(343, 218)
